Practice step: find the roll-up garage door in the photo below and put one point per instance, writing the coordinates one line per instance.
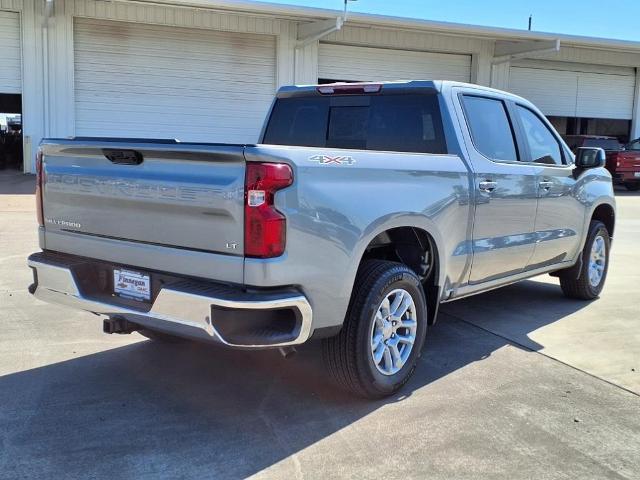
(153, 81)
(10, 56)
(349, 63)
(576, 91)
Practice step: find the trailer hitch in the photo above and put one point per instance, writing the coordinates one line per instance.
(119, 325)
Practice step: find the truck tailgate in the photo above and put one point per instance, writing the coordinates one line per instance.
(162, 194)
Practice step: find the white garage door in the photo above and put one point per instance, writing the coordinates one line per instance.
(10, 57)
(165, 82)
(343, 62)
(576, 91)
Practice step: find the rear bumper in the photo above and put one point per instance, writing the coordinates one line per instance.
(188, 308)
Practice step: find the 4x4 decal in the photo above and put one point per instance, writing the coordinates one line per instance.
(327, 159)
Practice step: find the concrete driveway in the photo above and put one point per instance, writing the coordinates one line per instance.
(517, 383)
(601, 337)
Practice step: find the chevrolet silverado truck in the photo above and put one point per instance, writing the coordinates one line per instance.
(362, 209)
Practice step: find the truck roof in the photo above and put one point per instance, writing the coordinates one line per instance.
(352, 87)
(395, 86)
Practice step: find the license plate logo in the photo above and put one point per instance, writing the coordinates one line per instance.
(134, 285)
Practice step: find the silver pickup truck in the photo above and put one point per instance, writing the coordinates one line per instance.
(362, 209)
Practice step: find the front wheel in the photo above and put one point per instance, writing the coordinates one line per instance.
(376, 351)
(595, 264)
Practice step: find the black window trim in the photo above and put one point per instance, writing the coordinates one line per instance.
(525, 143)
(514, 127)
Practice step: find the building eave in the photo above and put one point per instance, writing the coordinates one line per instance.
(299, 13)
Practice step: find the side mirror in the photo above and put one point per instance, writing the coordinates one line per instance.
(590, 157)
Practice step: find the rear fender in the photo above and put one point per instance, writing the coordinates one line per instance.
(397, 220)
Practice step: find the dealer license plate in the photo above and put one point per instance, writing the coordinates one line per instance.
(134, 285)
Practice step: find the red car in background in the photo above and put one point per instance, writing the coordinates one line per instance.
(623, 161)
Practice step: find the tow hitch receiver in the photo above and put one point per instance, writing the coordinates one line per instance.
(119, 325)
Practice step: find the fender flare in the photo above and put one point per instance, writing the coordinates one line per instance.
(397, 220)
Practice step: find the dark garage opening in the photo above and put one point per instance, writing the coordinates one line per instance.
(593, 126)
(11, 155)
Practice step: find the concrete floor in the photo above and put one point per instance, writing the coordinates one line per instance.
(517, 383)
(600, 337)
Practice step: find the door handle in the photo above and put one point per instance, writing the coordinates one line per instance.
(545, 185)
(487, 186)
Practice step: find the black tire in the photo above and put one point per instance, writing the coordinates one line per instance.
(348, 355)
(580, 287)
(160, 336)
(632, 186)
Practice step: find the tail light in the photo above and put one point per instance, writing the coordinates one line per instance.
(264, 226)
(39, 187)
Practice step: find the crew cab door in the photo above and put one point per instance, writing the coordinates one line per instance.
(560, 216)
(505, 189)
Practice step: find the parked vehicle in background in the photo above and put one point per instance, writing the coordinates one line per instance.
(627, 165)
(364, 208)
(623, 161)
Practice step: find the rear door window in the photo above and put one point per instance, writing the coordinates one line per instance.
(401, 123)
(635, 145)
(490, 127)
(610, 144)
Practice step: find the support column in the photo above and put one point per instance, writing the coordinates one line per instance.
(500, 75)
(33, 112)
(306, 64)
(635, 122)
(481, 64)
(286, 55)
(60, 70)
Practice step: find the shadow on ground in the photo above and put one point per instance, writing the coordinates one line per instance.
(165, 410)
(518, 309)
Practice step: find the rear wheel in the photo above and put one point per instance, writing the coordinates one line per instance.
(595, 263)
(632, 186)
(376, 351)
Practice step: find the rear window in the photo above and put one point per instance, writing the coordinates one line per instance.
(400, 123)
(635, 145)
(604, 143)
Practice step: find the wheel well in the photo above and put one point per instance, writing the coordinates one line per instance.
(416, 249)
(606, 215)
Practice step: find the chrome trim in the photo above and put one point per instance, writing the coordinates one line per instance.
(56, 284)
